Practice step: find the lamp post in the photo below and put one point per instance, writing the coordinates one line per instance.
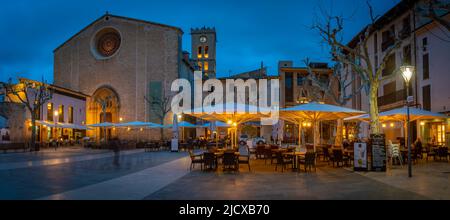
(180, 117)
(56, 114)
(407, 72)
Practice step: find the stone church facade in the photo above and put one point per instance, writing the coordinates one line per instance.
(123, 61)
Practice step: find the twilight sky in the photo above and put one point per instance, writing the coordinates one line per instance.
(248, 31)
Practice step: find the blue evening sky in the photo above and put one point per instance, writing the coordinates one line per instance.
(248, 31)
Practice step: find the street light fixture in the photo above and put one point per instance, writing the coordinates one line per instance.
(56, 114)
(407, 72)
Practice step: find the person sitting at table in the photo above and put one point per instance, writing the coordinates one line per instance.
(418, 146)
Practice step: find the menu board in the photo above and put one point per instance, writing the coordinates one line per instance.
(360, 157)
(378, 145)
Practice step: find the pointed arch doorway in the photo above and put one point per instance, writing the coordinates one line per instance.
(104, 106)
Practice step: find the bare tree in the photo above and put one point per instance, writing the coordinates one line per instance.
(33, 95)
(434, 9)
(357, 59)
(160, 106)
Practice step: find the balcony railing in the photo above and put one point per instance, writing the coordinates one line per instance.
(391, 98)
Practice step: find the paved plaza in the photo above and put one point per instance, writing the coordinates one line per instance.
(76, 173)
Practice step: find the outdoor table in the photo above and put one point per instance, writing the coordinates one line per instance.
(219, 154)
(295, 156)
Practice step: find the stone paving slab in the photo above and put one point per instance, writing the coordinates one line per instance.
(63, 159)
(430, 179)
(130, 187)
(263, 183)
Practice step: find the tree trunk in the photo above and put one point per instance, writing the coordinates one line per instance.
(161, 130)
(33, 133)
(316, 135)
(339, 135)
(373, 112)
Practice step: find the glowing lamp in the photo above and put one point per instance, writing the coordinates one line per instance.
(407, 72)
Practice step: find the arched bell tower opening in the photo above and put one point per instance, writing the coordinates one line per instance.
(104, 106)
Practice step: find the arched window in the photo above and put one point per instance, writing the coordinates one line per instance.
(206, 52)
(200, 66)
(206, 67)
(200, 51)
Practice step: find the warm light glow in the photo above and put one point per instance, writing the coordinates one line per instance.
(114, 128)
(120, 119)
(422, 123)
(128, 129)
(206, 66)
(234, 124)
(141, 129)
(179, 116)
(383, 125)
(45, 126)
(29, 124)
(407, 72)
(304, 124)
(229, 122)
(392, 125)
(309, 124)
(49, 105)
(56, 113)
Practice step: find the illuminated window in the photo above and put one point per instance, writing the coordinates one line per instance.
(200, 52)
(70, 115)
(61, 113)
(440, 133)
(200, 66)
(50, 111)
(206, 67)
(206, 51)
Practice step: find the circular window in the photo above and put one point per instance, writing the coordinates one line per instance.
(106, 43)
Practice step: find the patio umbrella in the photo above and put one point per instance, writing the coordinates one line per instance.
(316, 112)
(217, 124)
(185, 124)
(400, 114)
(235, 113)
(139, 124)
(102, 125)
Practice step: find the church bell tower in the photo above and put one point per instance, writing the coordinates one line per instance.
(204, 50)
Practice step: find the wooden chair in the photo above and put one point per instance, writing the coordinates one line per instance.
(209, 161)
(338, 158)
(260, 151)
(282, 161)
(308, 161)
(230, 161)
(245, 159)
(195, 159)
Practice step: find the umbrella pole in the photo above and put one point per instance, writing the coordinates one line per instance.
(299, 135)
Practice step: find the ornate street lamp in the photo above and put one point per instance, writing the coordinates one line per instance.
(407, 72)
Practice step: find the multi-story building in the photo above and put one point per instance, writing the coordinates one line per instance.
(423, 44)
(69, 122)
(297, 88)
